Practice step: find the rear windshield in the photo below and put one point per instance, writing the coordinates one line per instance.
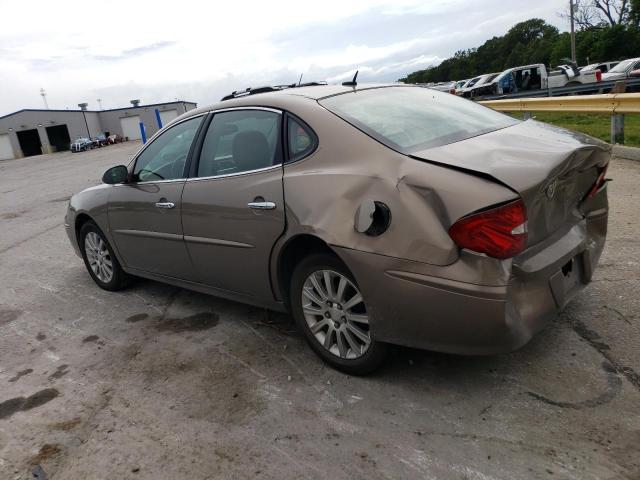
(409, 119)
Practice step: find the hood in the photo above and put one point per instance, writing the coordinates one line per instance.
(552, 169)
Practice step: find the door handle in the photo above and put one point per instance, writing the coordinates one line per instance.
(165, 205)
(261, 205)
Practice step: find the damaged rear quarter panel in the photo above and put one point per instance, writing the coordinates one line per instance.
(324, 191)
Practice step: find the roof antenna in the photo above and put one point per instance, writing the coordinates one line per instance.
(300, 81)
(353, 82)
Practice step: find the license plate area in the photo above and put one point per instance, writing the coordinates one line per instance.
(567, 281)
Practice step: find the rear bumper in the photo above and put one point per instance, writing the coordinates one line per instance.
(416, 304)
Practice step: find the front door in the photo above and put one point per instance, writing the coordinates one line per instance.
(233, 207)
(144, 214)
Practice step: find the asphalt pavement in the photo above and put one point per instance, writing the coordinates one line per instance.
(157, 382)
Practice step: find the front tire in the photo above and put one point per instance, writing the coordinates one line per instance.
(330, 310)
(101, 262)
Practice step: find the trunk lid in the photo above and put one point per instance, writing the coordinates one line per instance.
(552, 169)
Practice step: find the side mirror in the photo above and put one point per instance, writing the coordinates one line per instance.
(117, 174)
(635, 73)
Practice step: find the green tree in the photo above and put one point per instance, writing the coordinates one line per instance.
(535, 41)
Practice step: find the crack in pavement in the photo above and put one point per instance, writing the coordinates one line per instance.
(593, 338)
(17, 244)
(614, 385)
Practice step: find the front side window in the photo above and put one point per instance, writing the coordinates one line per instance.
(240, 141)
(165, 157)
(409, 119)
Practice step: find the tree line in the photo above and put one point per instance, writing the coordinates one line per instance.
(607, 30)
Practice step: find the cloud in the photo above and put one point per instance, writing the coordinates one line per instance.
(135, 52)
(201, 51)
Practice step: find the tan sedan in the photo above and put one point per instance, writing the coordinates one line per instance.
(374, 214)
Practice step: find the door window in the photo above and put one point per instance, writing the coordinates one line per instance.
(165, 157)
(301, 140)
(240, 141)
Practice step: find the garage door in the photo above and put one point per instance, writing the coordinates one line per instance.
(6, 152)
(167, 115)
(131, 127)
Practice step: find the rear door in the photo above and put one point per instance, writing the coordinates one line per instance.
(131, 127)
(233, 205)
(144, 214)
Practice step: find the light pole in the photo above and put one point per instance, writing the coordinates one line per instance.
(44, 98)
(100, 103)
(573, 32)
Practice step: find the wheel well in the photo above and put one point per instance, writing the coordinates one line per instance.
(295, 251)
(80, 221)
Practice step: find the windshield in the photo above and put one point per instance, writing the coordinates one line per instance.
(622, 66)
(409, 119)
(473, 81)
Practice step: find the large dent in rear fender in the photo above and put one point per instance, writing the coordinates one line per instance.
(325, 204)
(324, 191)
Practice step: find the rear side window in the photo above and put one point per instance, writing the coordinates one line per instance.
(240, 141)
(409, 119)
(301, 139)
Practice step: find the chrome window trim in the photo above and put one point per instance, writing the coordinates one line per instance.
(226, 175)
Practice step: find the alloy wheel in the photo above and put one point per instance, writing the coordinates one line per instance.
(336, 314)
(98, 257)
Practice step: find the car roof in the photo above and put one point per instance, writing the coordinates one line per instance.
(275, 98)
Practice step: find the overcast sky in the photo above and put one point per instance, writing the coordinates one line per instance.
(79, 51)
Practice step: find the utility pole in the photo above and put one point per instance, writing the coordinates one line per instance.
(44, 98)
(573, 31)
(100, 103)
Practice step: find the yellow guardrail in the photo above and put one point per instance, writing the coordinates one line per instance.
(612, 103)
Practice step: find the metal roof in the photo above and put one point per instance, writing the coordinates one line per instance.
(94, 111)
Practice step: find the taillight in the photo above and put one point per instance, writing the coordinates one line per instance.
(599, 183)
(499, 232)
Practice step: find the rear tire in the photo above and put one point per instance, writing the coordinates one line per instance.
(334, 319)
(101, 262)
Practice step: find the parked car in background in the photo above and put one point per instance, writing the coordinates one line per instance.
(604, 67)
(449, 87)
(623, 70)
(531, 78)
(477, 82)
(461, 84)
(115, 138)
(80, 144)
(100, 141)
(374, 214)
